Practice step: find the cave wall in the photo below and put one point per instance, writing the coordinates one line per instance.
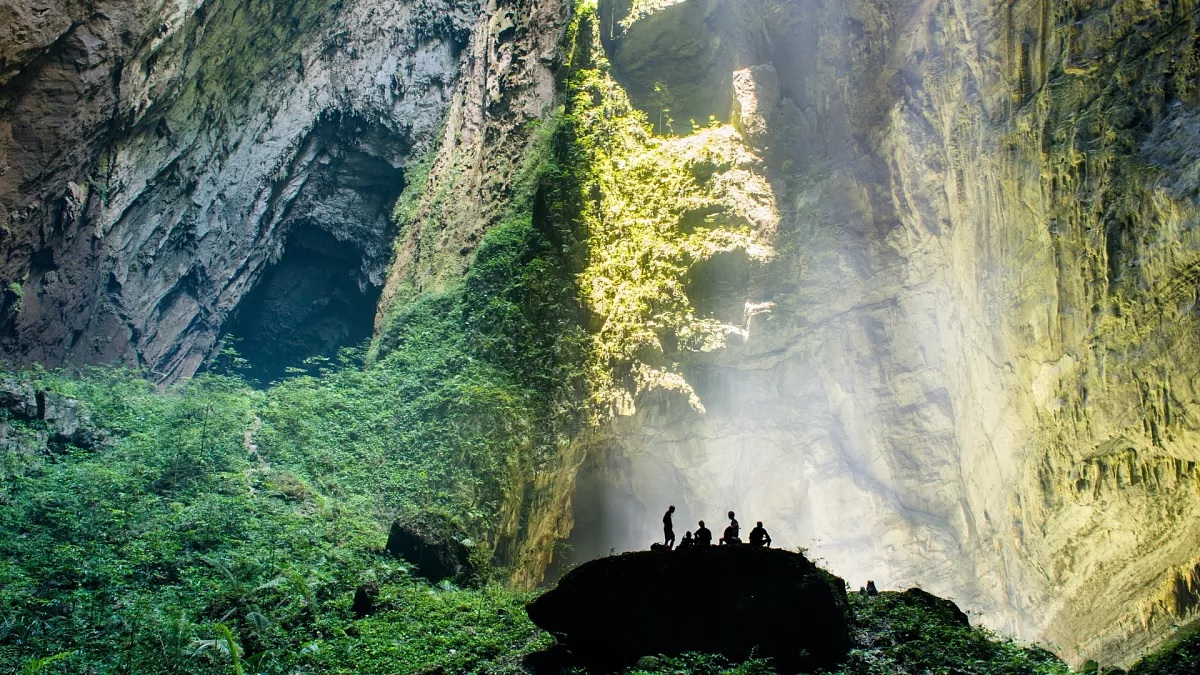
(493, 137)
(969, 362)
(978, 372)
(156, 156)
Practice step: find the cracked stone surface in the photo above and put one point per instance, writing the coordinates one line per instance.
(157, 156)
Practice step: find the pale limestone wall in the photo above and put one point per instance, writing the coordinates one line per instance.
(979, 372)
(156, 155)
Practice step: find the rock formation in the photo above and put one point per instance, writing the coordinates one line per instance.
(968, 360)
(159, 160)
(433, 546)
(975, 372)
(732, 600)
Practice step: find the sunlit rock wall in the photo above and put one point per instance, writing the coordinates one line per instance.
(156, 158)
(507, 90)
(978, 369)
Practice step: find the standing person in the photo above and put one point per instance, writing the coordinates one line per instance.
(759, 536)
(734, 529)
(703, 535)
(668, 528)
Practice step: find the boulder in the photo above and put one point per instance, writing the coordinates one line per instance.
(929, 603)
(737, 600)
(58, 420)
(364, 599)
(430, 543)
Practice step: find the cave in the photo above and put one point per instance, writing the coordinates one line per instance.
(322, 293)
(310, 303)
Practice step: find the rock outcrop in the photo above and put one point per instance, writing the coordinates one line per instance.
(732, 600)
(160, 160)
(33, 421)
(433, 546)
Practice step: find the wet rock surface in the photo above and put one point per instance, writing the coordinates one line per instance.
(736, 601)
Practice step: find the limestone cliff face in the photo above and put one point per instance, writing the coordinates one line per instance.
(978, 372)
(158, 158)
(969, 362)
(507, 90)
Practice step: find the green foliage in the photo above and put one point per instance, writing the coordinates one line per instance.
(190, 544)
(37, 665)
(1180, 655)
(651, 209)
(695, 663)
(900, 637)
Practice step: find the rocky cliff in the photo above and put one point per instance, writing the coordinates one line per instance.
(912, 281)
(163, 162)
(970, 361)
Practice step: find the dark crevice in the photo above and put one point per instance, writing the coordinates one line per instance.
(308, 304)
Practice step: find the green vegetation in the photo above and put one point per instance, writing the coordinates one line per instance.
(185, 545)
(1180, 655)
(652, 208)
(899, 636)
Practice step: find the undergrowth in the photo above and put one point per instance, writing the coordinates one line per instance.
(180, 544)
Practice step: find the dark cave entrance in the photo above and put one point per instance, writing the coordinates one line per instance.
(310, 303)
(323, 292)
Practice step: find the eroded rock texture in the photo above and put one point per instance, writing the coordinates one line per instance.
(978, 371)
(508, 87)
(157, 158)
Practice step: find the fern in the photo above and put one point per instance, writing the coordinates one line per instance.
(37, 665)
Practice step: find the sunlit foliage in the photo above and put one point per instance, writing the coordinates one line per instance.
(652, 208)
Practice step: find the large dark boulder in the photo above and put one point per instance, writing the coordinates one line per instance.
(431, 543)
(737, 601)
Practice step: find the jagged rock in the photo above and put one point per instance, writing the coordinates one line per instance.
(966, 379)
(931, 604)
(158, 160)
(63, 420)
(736, 601)
(430, 543)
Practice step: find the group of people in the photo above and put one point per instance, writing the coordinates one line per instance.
(703, 536)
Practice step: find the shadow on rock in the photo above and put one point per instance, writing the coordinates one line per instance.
(736, 601)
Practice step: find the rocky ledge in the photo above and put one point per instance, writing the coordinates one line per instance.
(737, 601)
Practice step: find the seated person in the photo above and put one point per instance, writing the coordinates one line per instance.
(759, 536)
(730, 537)
(688, 542)
(703, 535)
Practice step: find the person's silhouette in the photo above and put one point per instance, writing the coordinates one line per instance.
(731, 533)
(703, 535)
(686, 542)
(759, 536)
(668, 528)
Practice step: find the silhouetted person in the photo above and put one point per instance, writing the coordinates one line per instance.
(871, 590)
(730, 536)
(687, 542)
(703, 535)
(759, 536)
(668, 528)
